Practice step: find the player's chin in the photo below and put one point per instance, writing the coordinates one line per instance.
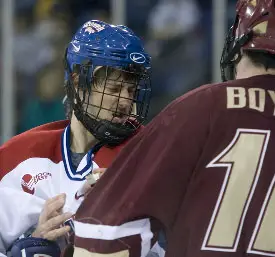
(115, 118)
(119, 120)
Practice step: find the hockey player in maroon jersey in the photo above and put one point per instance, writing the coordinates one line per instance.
(203, 170)
(108, 88)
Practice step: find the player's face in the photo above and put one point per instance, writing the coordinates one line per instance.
(112, 96)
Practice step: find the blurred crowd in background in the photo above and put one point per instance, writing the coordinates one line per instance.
(177, 34)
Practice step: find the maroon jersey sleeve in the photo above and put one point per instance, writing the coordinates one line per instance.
(143, 189)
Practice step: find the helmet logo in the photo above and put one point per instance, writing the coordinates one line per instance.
(76, 48)
(137, 57)
(92, 27)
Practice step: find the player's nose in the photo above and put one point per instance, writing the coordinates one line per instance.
(126, 97)
(125, 94)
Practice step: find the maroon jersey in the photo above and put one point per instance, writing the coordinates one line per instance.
(202, 170)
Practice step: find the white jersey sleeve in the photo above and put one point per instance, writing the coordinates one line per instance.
(2, 248)
(19, 212)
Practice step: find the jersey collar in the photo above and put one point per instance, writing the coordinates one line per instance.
(86, 164)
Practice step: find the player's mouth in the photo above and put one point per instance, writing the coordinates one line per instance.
(120, 116)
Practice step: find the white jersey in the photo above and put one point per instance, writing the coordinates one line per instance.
(35, 166)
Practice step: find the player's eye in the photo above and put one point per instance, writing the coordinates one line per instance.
(114, 89)
(132, 90)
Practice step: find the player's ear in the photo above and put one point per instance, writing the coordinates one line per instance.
(75, 74)
(75, 78)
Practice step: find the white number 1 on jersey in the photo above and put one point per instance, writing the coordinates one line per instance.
(243, 158)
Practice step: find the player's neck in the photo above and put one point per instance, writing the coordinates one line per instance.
(254, 72)
(246, 69)
(81, 139)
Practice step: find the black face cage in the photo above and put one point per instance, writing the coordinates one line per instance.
(231, 54)
(107, 131)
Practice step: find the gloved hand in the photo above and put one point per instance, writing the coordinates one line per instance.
(32, 247)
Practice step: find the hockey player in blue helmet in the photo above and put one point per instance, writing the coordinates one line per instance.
(107, 82)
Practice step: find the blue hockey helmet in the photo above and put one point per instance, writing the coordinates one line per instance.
(101, 46)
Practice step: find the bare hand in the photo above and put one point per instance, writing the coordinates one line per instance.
(97, 173)
(50, 224)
